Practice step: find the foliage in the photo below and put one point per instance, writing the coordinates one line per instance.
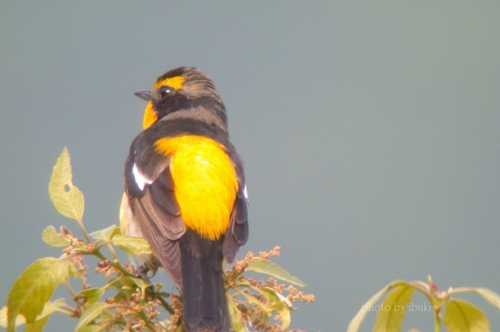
(126, 302)
(459, 315)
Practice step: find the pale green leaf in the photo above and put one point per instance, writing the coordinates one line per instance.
(489, 295)
(74, 272)
(156, 287)
(89, 315)
(285, 318)
(37, 325)
(127, 224)
(142, 284)
(62, 271)
(48, 309)
(275, 271)
(392, 310)
(92, 328)
(3, 318)
(275, 305)
(128, 285)
(68, 199)
(273, 296)
(34, 288)
(280, 304)
(236, 318)
(253, 300)
(53, 238)
(360, 315)
(132, 245)
(51, 307)
(106, 234)
(461, 316)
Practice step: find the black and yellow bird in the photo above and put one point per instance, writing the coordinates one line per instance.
(186, 192)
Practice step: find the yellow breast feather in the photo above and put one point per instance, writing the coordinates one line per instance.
(205, 182)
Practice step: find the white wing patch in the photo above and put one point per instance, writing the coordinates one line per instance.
(140, 179)
(245, 192)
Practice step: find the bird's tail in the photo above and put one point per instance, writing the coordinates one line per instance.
(203, 294)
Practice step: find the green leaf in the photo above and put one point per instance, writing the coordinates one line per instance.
(89, 315)
(91, 295)
(360, 315)
(34, 288)
(461, 316)
(53, 238)
(275, 271)
(67, 198)
(106, 234)
(131, 244)
(392, 310)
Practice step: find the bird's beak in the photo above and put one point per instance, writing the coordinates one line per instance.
(144, 94)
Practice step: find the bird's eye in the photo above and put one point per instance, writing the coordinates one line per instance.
(165, 91)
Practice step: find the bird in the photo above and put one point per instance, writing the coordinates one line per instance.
(185, 192)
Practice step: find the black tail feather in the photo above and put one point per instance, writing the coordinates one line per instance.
(203, 294)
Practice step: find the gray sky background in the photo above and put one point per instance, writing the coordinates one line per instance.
(370, 132)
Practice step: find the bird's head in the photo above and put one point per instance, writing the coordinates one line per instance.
(185, 92)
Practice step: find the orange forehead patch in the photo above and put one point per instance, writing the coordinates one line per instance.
(174, 82)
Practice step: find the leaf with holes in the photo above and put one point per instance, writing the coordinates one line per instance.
(53, 238)
(68, 199)
(91, 295)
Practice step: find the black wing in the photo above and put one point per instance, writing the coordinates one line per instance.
(156, 212)
(237, 234)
